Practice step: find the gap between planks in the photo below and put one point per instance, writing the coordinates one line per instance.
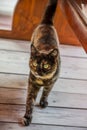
(14, 126)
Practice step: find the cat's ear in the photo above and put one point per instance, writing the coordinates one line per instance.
(33, 49)
(54, 53)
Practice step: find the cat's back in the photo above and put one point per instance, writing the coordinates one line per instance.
(45, 38)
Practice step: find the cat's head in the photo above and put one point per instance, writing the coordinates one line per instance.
(41, 63)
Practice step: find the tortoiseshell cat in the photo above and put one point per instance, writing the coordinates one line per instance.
(44, 61)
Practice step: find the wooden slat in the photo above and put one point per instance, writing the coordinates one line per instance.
(62, 85)
(68, 100)
(56, 99)
(14, 45)
(12, 126)
(73, 68)
(75, 51)
(16, 62)
(71, 86)
(14, 57)
(57, 116)
(24, 46)
(13, 81)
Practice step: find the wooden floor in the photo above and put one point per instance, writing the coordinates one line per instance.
(67, 108)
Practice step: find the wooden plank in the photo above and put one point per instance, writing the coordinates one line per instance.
(24, 46)
(68, 100)
(56, 99)
(75, 51)
(14, 57)
(13, 96)
(51, 116)
(16, 62)
(13, 81)
(62, 85)
(14, 45)
(71, 86)
(12, 126)
(73, 68)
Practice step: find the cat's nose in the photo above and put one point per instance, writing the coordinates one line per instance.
(40, 72)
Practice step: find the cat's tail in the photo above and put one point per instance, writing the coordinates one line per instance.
(49, 12)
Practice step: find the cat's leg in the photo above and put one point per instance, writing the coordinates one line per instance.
(45, 94)
(32, 94)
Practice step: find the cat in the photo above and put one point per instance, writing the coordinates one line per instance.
(44, 61)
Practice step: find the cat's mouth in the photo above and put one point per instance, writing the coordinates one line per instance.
(38, 74)
(44, 73)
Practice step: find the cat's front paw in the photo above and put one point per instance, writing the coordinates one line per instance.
(26, 121)
(43, 104)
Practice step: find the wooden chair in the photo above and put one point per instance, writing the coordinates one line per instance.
(77, 20)
(28, 13)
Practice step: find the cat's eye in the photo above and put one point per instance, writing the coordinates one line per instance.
(46, 66)
(35, 64)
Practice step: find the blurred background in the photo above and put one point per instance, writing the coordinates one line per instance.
(6, 13)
